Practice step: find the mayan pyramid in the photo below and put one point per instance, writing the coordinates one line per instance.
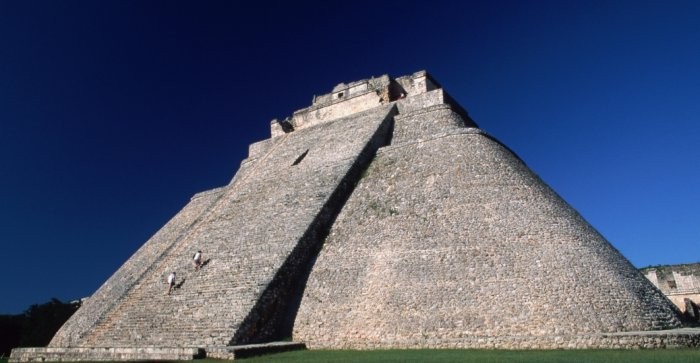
(380, 216)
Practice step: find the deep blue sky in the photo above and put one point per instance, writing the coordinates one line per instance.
(113, 114)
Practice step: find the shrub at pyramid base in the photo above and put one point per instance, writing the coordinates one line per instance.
(379, 216)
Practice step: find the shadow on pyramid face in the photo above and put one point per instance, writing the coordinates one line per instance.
(179, 285)
(206, 262)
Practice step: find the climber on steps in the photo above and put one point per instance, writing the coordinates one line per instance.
(197, 260)
(171, 282)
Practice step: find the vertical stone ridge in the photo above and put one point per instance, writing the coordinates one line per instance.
(273, 315)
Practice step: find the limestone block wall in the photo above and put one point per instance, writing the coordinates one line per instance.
(418, 82)
(452, 237)
(343, 92)
(414, 126)
(679, 299)
(434, 98)
(344, 101)
(355, 104)
(411, 92)
(257, 149)
(677, 282)
(675, 278)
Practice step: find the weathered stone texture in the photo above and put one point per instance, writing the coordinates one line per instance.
(248, 234)
(114, 290)
(52, 354)
(431, 234)
(453, 236)
(680, 283)
(668, 339)
(345, 100)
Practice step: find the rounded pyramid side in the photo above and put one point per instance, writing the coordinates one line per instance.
(451, 237)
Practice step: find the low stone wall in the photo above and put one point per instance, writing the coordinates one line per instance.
(103, 354)
(662, 339)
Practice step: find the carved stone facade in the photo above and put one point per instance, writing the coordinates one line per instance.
(680, 283)
(380, 216)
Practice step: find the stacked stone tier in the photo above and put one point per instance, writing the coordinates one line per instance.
(449, 236)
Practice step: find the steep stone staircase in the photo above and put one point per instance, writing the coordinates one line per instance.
(114, 290)
(247, 235)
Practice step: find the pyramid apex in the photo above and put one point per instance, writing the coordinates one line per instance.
(417, 90)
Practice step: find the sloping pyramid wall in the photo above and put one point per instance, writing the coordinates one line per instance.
(431, 234)
(114, 290)
(255, 233)
(450, 238)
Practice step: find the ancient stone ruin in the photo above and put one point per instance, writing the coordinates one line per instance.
(681, 284)
(380, 216)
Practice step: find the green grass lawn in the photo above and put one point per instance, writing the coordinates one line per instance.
(481, 356)
(485, 356)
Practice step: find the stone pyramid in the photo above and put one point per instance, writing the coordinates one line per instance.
(379, 216)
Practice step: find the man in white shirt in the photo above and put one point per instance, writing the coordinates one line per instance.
(197, 260)
(171, 282)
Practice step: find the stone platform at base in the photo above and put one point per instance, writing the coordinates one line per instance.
(659, 339)
(656, 339)
(48, 354)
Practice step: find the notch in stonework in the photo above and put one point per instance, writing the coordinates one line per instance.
(286, 125)
(392, 92)
(300, 158)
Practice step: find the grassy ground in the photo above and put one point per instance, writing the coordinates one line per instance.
(485, 356)
(481, 356)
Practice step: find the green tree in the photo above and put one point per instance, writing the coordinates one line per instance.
(41, 322)
(10, 333)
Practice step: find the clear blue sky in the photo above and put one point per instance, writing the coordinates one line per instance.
(114, 113)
